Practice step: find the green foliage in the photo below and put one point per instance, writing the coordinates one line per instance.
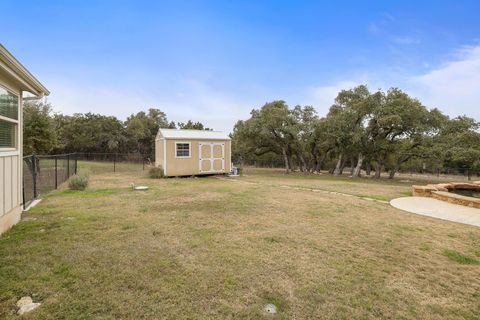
(156, 172)
(46, 133)
(78, 182)
(89, 133)
(460, 257)
(275, 129)
(363, 129)
(141, 130)
(192, 125)
(39, 134)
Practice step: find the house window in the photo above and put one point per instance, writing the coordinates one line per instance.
(8, 119)
(182, 150)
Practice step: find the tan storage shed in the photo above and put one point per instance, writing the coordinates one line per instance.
(192, 152)
(14, 80)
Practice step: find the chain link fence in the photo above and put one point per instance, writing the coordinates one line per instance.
(44, 173)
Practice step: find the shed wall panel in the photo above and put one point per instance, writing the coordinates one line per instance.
(181, 166)
(190, 166)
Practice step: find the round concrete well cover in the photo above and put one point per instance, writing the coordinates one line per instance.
(270, 308)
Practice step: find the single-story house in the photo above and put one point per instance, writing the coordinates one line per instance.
(192, 152)
(14, 80)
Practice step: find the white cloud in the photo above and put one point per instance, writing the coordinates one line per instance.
(215, 109)
(454, 86)
(197, 101)
(322, 97)
(69, 98)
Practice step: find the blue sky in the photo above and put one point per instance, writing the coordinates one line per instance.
(214, 61)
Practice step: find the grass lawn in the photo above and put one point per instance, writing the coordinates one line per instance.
(222, 248)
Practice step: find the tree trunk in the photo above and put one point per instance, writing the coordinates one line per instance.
(344, 162)
(287, 165)
(368, 168)
(338, 167)
(311, 165)
(378, 169)
(394, 170)
(356, 171)
(303, 164)
(290, 162)
(352, 168)
(320, 162)
(288, 151)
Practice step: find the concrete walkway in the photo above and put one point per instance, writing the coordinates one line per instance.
(438, 209)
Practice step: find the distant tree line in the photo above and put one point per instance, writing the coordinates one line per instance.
(363, 131)
(46, 132)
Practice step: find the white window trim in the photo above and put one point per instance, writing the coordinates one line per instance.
(5, 152)
(7, 119)
(15, 150)
(189, 149)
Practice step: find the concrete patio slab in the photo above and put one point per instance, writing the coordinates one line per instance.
(438, 209)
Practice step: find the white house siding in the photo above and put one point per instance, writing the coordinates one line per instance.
(11, 167)
(10, 176)
(10, 190)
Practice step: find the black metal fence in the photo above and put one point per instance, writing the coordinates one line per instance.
(44, 173)
(113, 162)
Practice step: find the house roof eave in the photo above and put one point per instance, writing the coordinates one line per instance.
(12, 66)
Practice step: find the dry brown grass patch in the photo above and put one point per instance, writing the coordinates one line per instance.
(216, 248)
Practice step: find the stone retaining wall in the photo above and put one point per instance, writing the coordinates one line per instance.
(441, 192)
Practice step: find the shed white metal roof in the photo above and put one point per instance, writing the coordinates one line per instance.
(192, 134)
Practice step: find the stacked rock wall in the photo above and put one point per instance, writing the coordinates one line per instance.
(442, 192)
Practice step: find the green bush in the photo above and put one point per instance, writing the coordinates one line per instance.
(78, 181)
(156, 172)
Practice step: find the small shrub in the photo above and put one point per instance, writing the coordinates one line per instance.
(78, 181)
(460, 257)
(156, 172)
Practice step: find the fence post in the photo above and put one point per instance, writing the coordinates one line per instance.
(143, 163)
(76, 162)
(114, 161)
(68, 166)
(34, 175)
(56, 171)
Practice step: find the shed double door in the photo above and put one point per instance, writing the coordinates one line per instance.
(211, 157)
